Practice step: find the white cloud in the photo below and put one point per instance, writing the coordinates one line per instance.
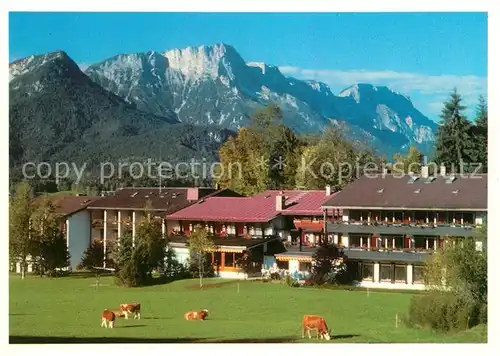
(83, 66)
(431, 89)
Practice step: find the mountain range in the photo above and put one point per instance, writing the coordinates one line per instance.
(187, 100)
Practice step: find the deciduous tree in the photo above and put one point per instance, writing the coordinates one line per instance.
(199, 244)
(20, 210)
(48, 242)
(409, 163)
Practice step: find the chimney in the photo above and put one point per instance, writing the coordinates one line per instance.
(328, 190)
(280, 202)
(193, 194)
(442, 170)
(425, 172)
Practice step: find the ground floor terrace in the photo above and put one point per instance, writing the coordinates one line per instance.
(231, 252)
(391, 270)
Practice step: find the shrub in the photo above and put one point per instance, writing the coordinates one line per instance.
(457, 274)
(441, 311)
(203, 267)
(290, 281)
(275, 276)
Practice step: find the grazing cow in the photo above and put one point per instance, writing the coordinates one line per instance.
(107, 318)
(196, 315)
(118, 313)
(132, 308)
(315, 322)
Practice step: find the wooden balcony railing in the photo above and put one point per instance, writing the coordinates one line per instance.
(400, 223)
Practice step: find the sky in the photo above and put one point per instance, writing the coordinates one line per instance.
(422, 55)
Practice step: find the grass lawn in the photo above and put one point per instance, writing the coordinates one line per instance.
(68, 310)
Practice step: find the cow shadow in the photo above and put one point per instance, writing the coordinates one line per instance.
(130, 340)
(274, 340)
(18, 314)
(346, 336)
(132, 326)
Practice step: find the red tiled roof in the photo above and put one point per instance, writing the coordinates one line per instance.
(300, 202)
(308, 225)
(258, 208)
(234, 209)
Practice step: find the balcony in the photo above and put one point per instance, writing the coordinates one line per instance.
(396, 255)
(371, 254)
(430, 229)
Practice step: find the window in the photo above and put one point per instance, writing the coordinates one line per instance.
(442, 217)
(229, 259)
(355, 215)
(420, 216)
(282, 264)
(418, 274)
(420, 242)
(400, 274)
(386, 272)
(367, 271)
(375, 215)
(468, 218)
(217, 258)
(399, 242)
(304, 266)
(355, 241)
(237, 257)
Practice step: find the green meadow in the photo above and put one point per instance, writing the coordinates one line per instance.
(68, 310)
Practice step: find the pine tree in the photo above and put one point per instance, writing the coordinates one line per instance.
(481, 134)
(454, 145)
(327, 263)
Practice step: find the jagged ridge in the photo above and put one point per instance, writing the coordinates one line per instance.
(213, 84)
(57, 113)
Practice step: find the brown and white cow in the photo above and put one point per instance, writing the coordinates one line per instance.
(315, 322)
(131, 309)
(107, 318)
(196, 315)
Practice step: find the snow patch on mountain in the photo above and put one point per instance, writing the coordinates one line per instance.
(25, 65)
(213, 83)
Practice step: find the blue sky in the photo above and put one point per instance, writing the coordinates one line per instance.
(422, 55)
